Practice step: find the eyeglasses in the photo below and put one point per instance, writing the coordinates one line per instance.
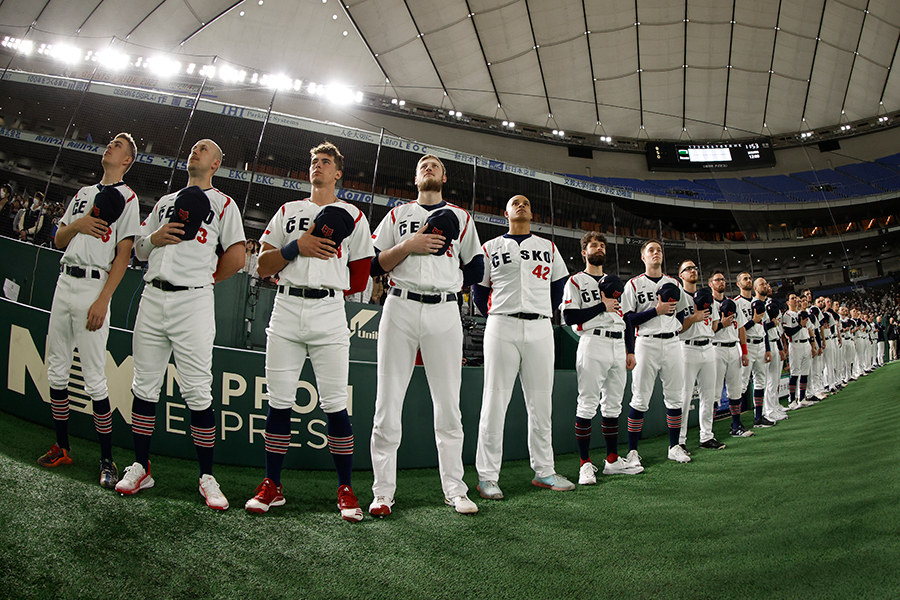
(690, 268)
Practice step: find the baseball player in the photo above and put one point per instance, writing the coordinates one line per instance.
(321, 250)
(523, 282)
(700, 324)
(591, 308)
(177, 312)
(847, 344)
(431, 250)
(96, 232)
(800, 351)
(752, 316)
(730, 342)
(772, 408)
(828, 343)
(653, 303)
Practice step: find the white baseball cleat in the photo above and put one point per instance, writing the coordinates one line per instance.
(633, 459)
(462, 504)
(135, 480)
(490, 490)
(677, 454)
(620, 467)
(587, 474)
(209, 489)
(381, 506)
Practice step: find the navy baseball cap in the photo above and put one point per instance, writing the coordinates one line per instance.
(814, 311)
(333, 223)
(803, 315)
(611, 286)
(773, 308)
(727, 307)
(703, 298)
(108, 204)
(668, 292)
(191, 208)
(443, 222)
(758, 307)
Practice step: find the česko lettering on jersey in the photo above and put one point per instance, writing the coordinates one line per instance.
(427, 273)
(98, 253)
(583, 291)
(640, 296)
(192, 262)
(519, 274)
(292, 220)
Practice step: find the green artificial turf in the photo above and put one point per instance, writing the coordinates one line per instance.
(807, 509)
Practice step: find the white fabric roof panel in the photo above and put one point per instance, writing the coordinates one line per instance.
(304, 39)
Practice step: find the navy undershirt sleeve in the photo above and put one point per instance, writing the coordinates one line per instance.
(480, 295)
(474, 271)
(376, 269)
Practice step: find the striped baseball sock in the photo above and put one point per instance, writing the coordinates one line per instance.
(203, 431)
(635, 425)
(583, 438)
(758, 396)
(340, 444)
(143, 419)
(278, 439)
(802, 387)
(611, 437)
(792, 388)
(734, 407)
(103, 425)
(59, 407)
(673, 421)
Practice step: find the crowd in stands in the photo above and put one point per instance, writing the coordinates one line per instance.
(29, 219)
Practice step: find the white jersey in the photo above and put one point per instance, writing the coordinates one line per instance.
(640, 296)
(292, 220)
(519, 274)
(730, 333)
(427, 273)
(90, 252)
(701, 330)
(745, 315)
(191, 262)
(791, 319)
(583, 291)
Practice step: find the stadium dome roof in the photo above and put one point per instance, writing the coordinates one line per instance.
(652, 69)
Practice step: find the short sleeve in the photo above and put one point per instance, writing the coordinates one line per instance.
(558, 269)
(384, 236)
(274, 233)
(469, 244)
(359, 244)
(231, 228)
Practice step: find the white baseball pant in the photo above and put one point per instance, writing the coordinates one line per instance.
(699, 366)
(601, 373)
(525, 348)
(728, 370)
(657, 356)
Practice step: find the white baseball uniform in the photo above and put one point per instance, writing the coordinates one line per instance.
(601, 353)
(771, 403)
(181, 320)
(84, 269)
(799, 352)
(315, 326)
(656, 346)
(421, 312)
(728, 356)
(756, 347)
(518, 340)
(700, 367)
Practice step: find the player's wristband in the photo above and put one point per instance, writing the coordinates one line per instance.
(290, 251)
(743, 349)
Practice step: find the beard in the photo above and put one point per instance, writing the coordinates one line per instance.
(430, 184)
(597, 259)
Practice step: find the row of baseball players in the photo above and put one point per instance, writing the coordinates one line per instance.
(321, 249)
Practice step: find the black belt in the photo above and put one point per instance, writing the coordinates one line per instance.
(725, 344)
(425, 298)
(759, 341)
(696, 342)
(661, 336)
(80, 273)
(526, 316)
(168, 287)
(300, 292)
(616, 335)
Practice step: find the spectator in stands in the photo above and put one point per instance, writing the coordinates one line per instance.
(251, 258)
(8, 208)
(43, 235)
(30, 220)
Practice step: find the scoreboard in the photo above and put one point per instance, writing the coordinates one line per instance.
(710, 156)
